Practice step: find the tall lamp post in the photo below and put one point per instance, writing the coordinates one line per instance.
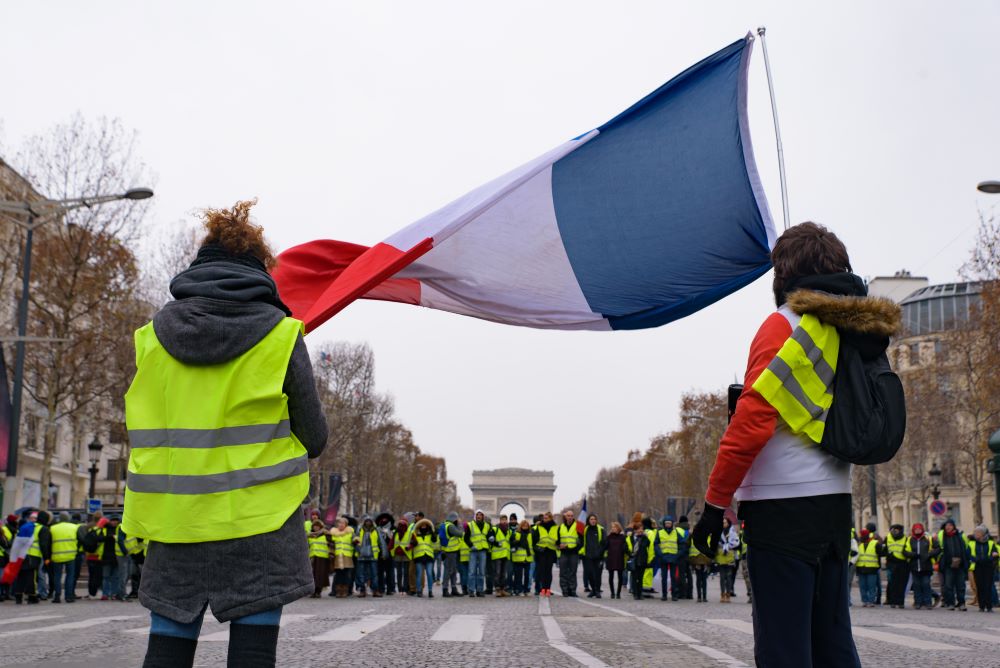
(993, 466)
(94, 450)
(935, 475)
(39, 213)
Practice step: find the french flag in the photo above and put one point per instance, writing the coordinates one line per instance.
(643, 220)
(18, 552)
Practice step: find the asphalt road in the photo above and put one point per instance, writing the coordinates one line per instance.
(512, 632)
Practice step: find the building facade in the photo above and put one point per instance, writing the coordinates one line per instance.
(533, 491)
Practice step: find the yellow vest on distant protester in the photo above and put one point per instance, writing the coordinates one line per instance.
(212, 442)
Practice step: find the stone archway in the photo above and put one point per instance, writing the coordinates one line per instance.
(532, 490)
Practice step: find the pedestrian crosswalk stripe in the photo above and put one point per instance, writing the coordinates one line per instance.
(557, 640)
(356, 630)
(956, 633)
(905, 641)
(29, 618)
(859, 632)
(461, 628)
(87, 623)
(543, 606)
(223, 635)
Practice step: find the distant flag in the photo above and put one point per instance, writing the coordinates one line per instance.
(18, 551)
(646, 219)
(581, 521)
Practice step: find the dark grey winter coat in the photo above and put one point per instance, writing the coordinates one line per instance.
(223, 308)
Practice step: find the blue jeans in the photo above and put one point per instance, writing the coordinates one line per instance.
(41, 583)
(425, 571)
(366, 572)
(922, 589)
(463, 575)
(531, 575)
(69, 568)
(477, 571)
(954, 587)
(868, 584)
(111, 582)
(163, 626)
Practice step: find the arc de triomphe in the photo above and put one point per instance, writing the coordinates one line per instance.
(532, 490)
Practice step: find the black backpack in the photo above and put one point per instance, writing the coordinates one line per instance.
(90, 542)
(867, 421)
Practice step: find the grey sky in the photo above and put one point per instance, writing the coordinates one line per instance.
(351, 120)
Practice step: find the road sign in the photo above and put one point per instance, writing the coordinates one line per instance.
(93, 505)
(938, 507)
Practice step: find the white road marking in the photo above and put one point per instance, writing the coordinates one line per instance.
(543, 606)
(461, 628)
(693, 643)
(87, 623)
(859, 632)
(557, 640)
(905, 641)
(30, 618)
(356, 630)
(223, 635)
(957, 633)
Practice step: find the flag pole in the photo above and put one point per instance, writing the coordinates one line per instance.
(777, 131)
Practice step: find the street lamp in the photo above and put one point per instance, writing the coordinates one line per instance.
(989, 187)
(993, 466)
(39, 213)
(95, 456)
(935, 476)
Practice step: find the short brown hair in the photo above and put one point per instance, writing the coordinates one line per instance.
(232, 230)
(806, 249)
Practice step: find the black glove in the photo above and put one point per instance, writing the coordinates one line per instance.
(705, 534)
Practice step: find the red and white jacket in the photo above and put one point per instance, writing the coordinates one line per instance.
(759, 458)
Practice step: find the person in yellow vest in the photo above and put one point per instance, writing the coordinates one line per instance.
(569, 553)
(400, 547)
(26, 584)
(453, 538)
(869, 562)
(368, 545)
(725, 559)
(64, 549)
(983, 557)
(897, 566)
(641, 554)
(668, 542)
(222, 416)
(476, 537)
(592, 552)
(546, 552)
(521, 549)
(463, 565)
(319, 555)
(499, 540)
(423, 544)
(110, 562)
(342, 537)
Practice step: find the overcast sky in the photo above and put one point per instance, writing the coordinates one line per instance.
(349, 120)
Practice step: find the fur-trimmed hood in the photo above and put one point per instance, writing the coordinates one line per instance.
(875, 316)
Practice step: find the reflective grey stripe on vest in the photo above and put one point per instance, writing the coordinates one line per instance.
(781, 369)
(63, 540)
(209, 438)
(815, 355)
(215, 482)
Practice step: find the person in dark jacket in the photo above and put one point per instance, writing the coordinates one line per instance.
(110, 564)
(592, 552)
(897, 565)
(983, 555)
(921, 553)
(615, 557)
(545, 552)
(954, 565)
(226, 303)
(638, 548)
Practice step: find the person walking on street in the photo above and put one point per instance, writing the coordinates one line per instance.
(897, 565)
(26, 583)
(794, 495)
(684, 551)
(476, 538)
(984, 556)
(109, 562)
(368, 546)
(319, 555)
(386, 567)
(920, 553)
(615, 550)
(546, 552)
(499, 540)
(522, 549)
(725, 558)
(424, 544)
(592, 552)
(401, 556)
(64, 550)
(954, 564)
(868, 565)
(640, 551)
(569, 556)
(222, 364)
(342, 537)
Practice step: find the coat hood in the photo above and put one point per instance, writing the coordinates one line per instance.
(874, 316)
(425, 523)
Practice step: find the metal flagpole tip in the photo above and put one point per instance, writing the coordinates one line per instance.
(761, 30)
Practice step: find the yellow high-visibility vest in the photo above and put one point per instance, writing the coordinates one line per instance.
(454, 542)
(867, 555)
(548, 539)
(35, 550)
(477, 537)
(895, 546)
(568, 536)
(319, 547)
(212, 442)
(668, 540)
(343, 545)
(425, 546)
(63, 542)
(523, 553)
(798, 381)
(463, 552)
(501, 544)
